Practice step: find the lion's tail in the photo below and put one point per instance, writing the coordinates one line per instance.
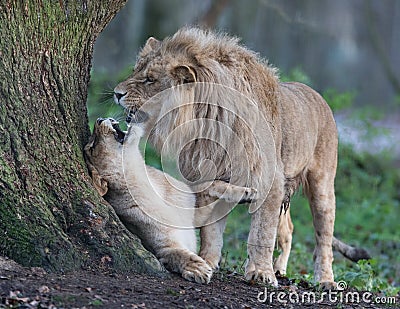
(352, 253)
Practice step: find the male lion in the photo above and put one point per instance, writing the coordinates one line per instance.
(132, 188)
(300, 124)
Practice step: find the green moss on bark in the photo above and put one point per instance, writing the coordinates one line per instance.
(50, 215)
(15, 237)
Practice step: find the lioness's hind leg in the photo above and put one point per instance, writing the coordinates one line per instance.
(232, 193)
(285, 231)
(190, 265)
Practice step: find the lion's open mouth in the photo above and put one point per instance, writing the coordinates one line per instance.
(118, 134)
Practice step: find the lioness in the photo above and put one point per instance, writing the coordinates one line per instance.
(132, 188)
(300, 122)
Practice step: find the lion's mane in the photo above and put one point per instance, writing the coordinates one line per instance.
(217, 59)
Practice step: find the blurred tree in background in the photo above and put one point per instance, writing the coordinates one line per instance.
(346, 45)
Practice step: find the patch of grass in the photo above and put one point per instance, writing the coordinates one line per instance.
(365, 276)
(61, 300)
(96, 303)
(172, 292)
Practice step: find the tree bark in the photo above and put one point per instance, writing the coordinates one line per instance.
(50, 215)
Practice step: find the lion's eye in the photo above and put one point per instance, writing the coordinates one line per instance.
(149, 80)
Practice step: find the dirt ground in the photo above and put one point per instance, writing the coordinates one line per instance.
(34, 288)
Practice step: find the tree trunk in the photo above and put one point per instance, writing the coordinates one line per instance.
(50, 215)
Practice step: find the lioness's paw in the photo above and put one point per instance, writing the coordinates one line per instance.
(105, 125)
(232, 193)
(264, 276)
(197, 270)
(249, 195)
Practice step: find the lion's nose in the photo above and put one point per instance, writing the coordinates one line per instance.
(118, 96)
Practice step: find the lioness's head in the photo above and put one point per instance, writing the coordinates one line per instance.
(103, 153)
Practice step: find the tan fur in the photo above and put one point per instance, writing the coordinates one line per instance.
(120, 174)
(302, 128)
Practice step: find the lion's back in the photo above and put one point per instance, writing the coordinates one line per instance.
(307, 125)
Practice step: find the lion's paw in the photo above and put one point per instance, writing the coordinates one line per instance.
(330, 285)
(264, 276)
(214, 265)
(211, 259)
(197, 270)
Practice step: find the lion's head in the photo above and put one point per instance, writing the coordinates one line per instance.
(193, 57)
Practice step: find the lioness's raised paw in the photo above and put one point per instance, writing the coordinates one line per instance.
(232, 193)
(109, 126)
(264, 276)
(249, 195)
(197, 270)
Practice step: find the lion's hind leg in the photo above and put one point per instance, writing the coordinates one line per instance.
(321, 195)
(188, 264)
(285, 231)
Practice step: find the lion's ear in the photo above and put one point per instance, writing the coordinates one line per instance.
(184, 74)
(99, 182)
(151, 44)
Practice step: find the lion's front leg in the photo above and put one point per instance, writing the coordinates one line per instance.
(261, 242)
(189, 265)
(211, 242)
